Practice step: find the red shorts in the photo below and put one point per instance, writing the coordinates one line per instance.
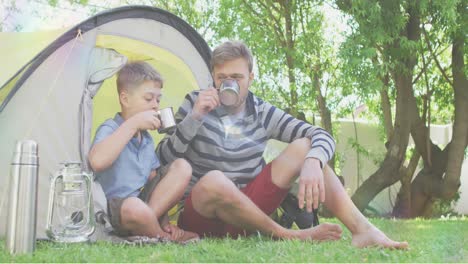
(262, 191)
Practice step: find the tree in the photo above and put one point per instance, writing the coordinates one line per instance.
(440, 177)
(289, 45)
(391, 30)
(6, 19)
(398, 38)
(200, 14)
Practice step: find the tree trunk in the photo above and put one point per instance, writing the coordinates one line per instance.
(325, 113)
(423, 184)
(389, 172)
(290, 59)
(402, 206)
(386, 108)
(451, 181)
(385, 104)
(442, 179)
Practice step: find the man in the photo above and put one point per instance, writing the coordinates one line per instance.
(234, 191)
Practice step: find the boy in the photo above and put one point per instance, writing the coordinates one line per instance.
(123, 158)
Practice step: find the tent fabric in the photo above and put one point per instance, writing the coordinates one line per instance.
(25, 46)
(45, 109)
(129, 12)
(104, 63)
(52, 98)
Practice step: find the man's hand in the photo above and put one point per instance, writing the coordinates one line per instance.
(311, 185)
(147, 120)
(207, 101)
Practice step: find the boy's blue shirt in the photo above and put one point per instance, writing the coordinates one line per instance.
(130, 171)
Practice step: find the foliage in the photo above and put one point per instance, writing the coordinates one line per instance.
(369, 53)
(200, 14)
(349, 78)
(366, 153)
(9, 9)
(289, 47)
(443, 207)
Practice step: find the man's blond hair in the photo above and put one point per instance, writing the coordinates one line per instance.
(231, 50)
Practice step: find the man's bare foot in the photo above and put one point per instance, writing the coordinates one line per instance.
(374, 237)
(322, 232)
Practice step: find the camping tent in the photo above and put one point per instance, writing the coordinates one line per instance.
(61, 95)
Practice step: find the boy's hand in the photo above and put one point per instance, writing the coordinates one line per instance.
(175, 231)
(207, 101)
(147, 120)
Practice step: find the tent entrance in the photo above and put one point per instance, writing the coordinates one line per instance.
(100, 99)
(178, 77)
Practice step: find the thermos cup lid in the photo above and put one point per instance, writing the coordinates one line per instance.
(26, 152)
(26, 146)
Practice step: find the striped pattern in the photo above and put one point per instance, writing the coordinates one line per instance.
(207, 146)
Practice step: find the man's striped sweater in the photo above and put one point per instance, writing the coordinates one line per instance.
(237, 150)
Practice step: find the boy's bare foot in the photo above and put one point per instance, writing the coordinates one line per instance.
(374, 237)
(322, 232)
(180, 236)
(187, 237)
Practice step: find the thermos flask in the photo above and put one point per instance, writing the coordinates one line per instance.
(21, 222)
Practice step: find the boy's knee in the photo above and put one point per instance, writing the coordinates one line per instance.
(134, 210)
(182, 165)
(182, 169)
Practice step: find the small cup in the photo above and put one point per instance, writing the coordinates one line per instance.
(166, 116)
(229, 92)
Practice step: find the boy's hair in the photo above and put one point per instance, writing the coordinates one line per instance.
(135, 73)
(231, 50)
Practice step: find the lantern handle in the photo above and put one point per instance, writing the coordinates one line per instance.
(89, 180)
(50, 233)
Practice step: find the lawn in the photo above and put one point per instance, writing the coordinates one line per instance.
(438, 240)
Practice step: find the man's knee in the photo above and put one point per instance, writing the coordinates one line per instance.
(210, 192)
(214, 184)
(287, 166)
(300, 146)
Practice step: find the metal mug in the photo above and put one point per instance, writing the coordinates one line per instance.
(166, 116)
(229, 92)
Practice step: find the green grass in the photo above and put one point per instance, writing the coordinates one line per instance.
(441, 240)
